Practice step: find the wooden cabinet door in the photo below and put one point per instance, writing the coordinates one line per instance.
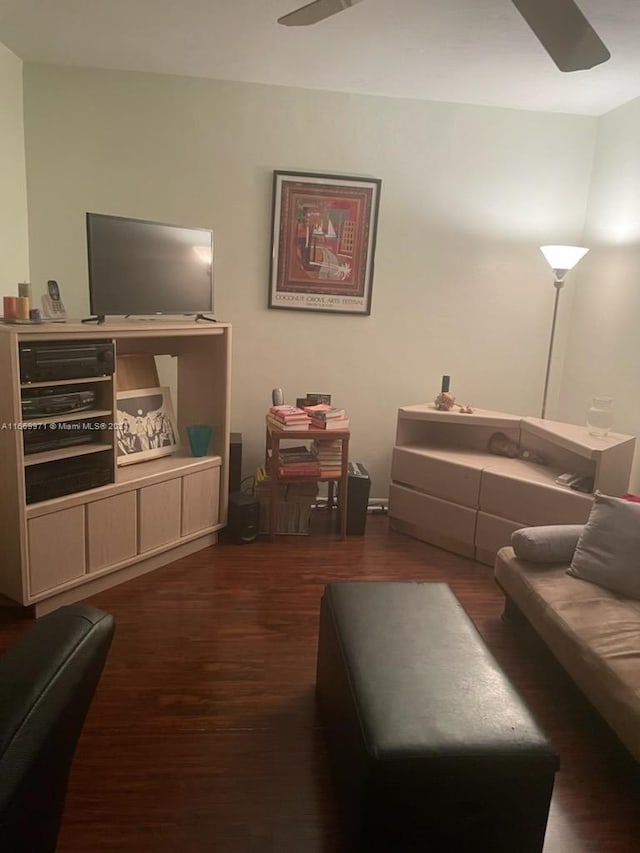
(159, 514)
(111, 531)
(56, 548)
(200, 500)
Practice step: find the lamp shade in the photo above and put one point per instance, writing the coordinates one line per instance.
(563, 257)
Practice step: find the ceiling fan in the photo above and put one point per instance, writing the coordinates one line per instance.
(560, 26)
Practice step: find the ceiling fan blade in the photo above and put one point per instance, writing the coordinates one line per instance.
(564, 32)
(314, 12)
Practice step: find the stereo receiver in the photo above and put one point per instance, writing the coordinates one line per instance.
(49, 361)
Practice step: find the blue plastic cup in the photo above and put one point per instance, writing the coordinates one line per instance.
(199, 438)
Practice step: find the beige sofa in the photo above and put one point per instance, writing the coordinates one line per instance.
(594, 634)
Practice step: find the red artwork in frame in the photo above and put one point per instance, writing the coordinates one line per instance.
(323, 242)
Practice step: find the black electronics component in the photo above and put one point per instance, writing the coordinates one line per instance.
(40, 402)
(582, 484)
(66, 476)
(446, 381)
(567, 479)
(35, 441)
(244, 518)
(46, 361)
(235, 462)
(358, 489)
(142, 267)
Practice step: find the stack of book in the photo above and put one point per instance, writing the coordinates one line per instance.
(329, 455)
(298, 461)
(327, 417)
(288, 417)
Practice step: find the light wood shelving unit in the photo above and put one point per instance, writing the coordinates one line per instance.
(447, 489)
(148, 514)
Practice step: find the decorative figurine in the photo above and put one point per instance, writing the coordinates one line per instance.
(445, 401)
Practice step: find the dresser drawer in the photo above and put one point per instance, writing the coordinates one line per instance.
(532, 503)
(432, 514)
(452, 480)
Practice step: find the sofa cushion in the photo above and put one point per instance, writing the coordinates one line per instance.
(550, 543)
(608, 552)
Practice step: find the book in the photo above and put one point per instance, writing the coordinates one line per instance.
(307, 471)
(298, 462)
(325, 412)
(289, 455)
(328, 452)
(332, 473)
(295, 452)
(289, 420)
(332, 423)
(286, 416)
(286, 411)
(287, 427)
(329, 457)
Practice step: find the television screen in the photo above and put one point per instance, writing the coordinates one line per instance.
(140, 267)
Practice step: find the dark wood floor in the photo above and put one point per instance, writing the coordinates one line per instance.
(203, 735)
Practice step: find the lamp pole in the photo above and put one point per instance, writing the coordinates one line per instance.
(558, 283)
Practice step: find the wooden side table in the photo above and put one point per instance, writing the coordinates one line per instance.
(272, 444)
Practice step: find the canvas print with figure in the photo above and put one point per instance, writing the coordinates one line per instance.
(146, 425)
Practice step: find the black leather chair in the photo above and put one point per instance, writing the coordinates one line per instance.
(47, 681)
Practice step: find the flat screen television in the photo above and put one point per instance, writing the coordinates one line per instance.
(141, 267)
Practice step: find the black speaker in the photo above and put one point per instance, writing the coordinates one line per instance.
(357, 499)
(235, 462)
(244, 518)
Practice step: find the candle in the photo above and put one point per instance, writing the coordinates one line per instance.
(23, 306)
(9, 307)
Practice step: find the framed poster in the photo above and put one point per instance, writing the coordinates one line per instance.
(323, 242)
(146, 425)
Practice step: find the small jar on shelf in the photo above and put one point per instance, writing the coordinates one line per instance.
(600, 416)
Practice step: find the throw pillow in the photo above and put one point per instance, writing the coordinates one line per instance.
(551, 543)
(608, 552)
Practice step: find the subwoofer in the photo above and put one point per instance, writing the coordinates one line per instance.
(235, 462)
(244, 518)
(357, 499)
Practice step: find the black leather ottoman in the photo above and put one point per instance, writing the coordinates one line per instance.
(431, 748)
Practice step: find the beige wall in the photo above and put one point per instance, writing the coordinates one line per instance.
(603, 351)
(468, 195)
(14, 255)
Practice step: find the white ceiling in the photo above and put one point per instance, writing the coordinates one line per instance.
(470, 51)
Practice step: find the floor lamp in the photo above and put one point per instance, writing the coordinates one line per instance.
(561, 259)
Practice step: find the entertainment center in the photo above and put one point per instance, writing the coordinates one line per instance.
(117, 522)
